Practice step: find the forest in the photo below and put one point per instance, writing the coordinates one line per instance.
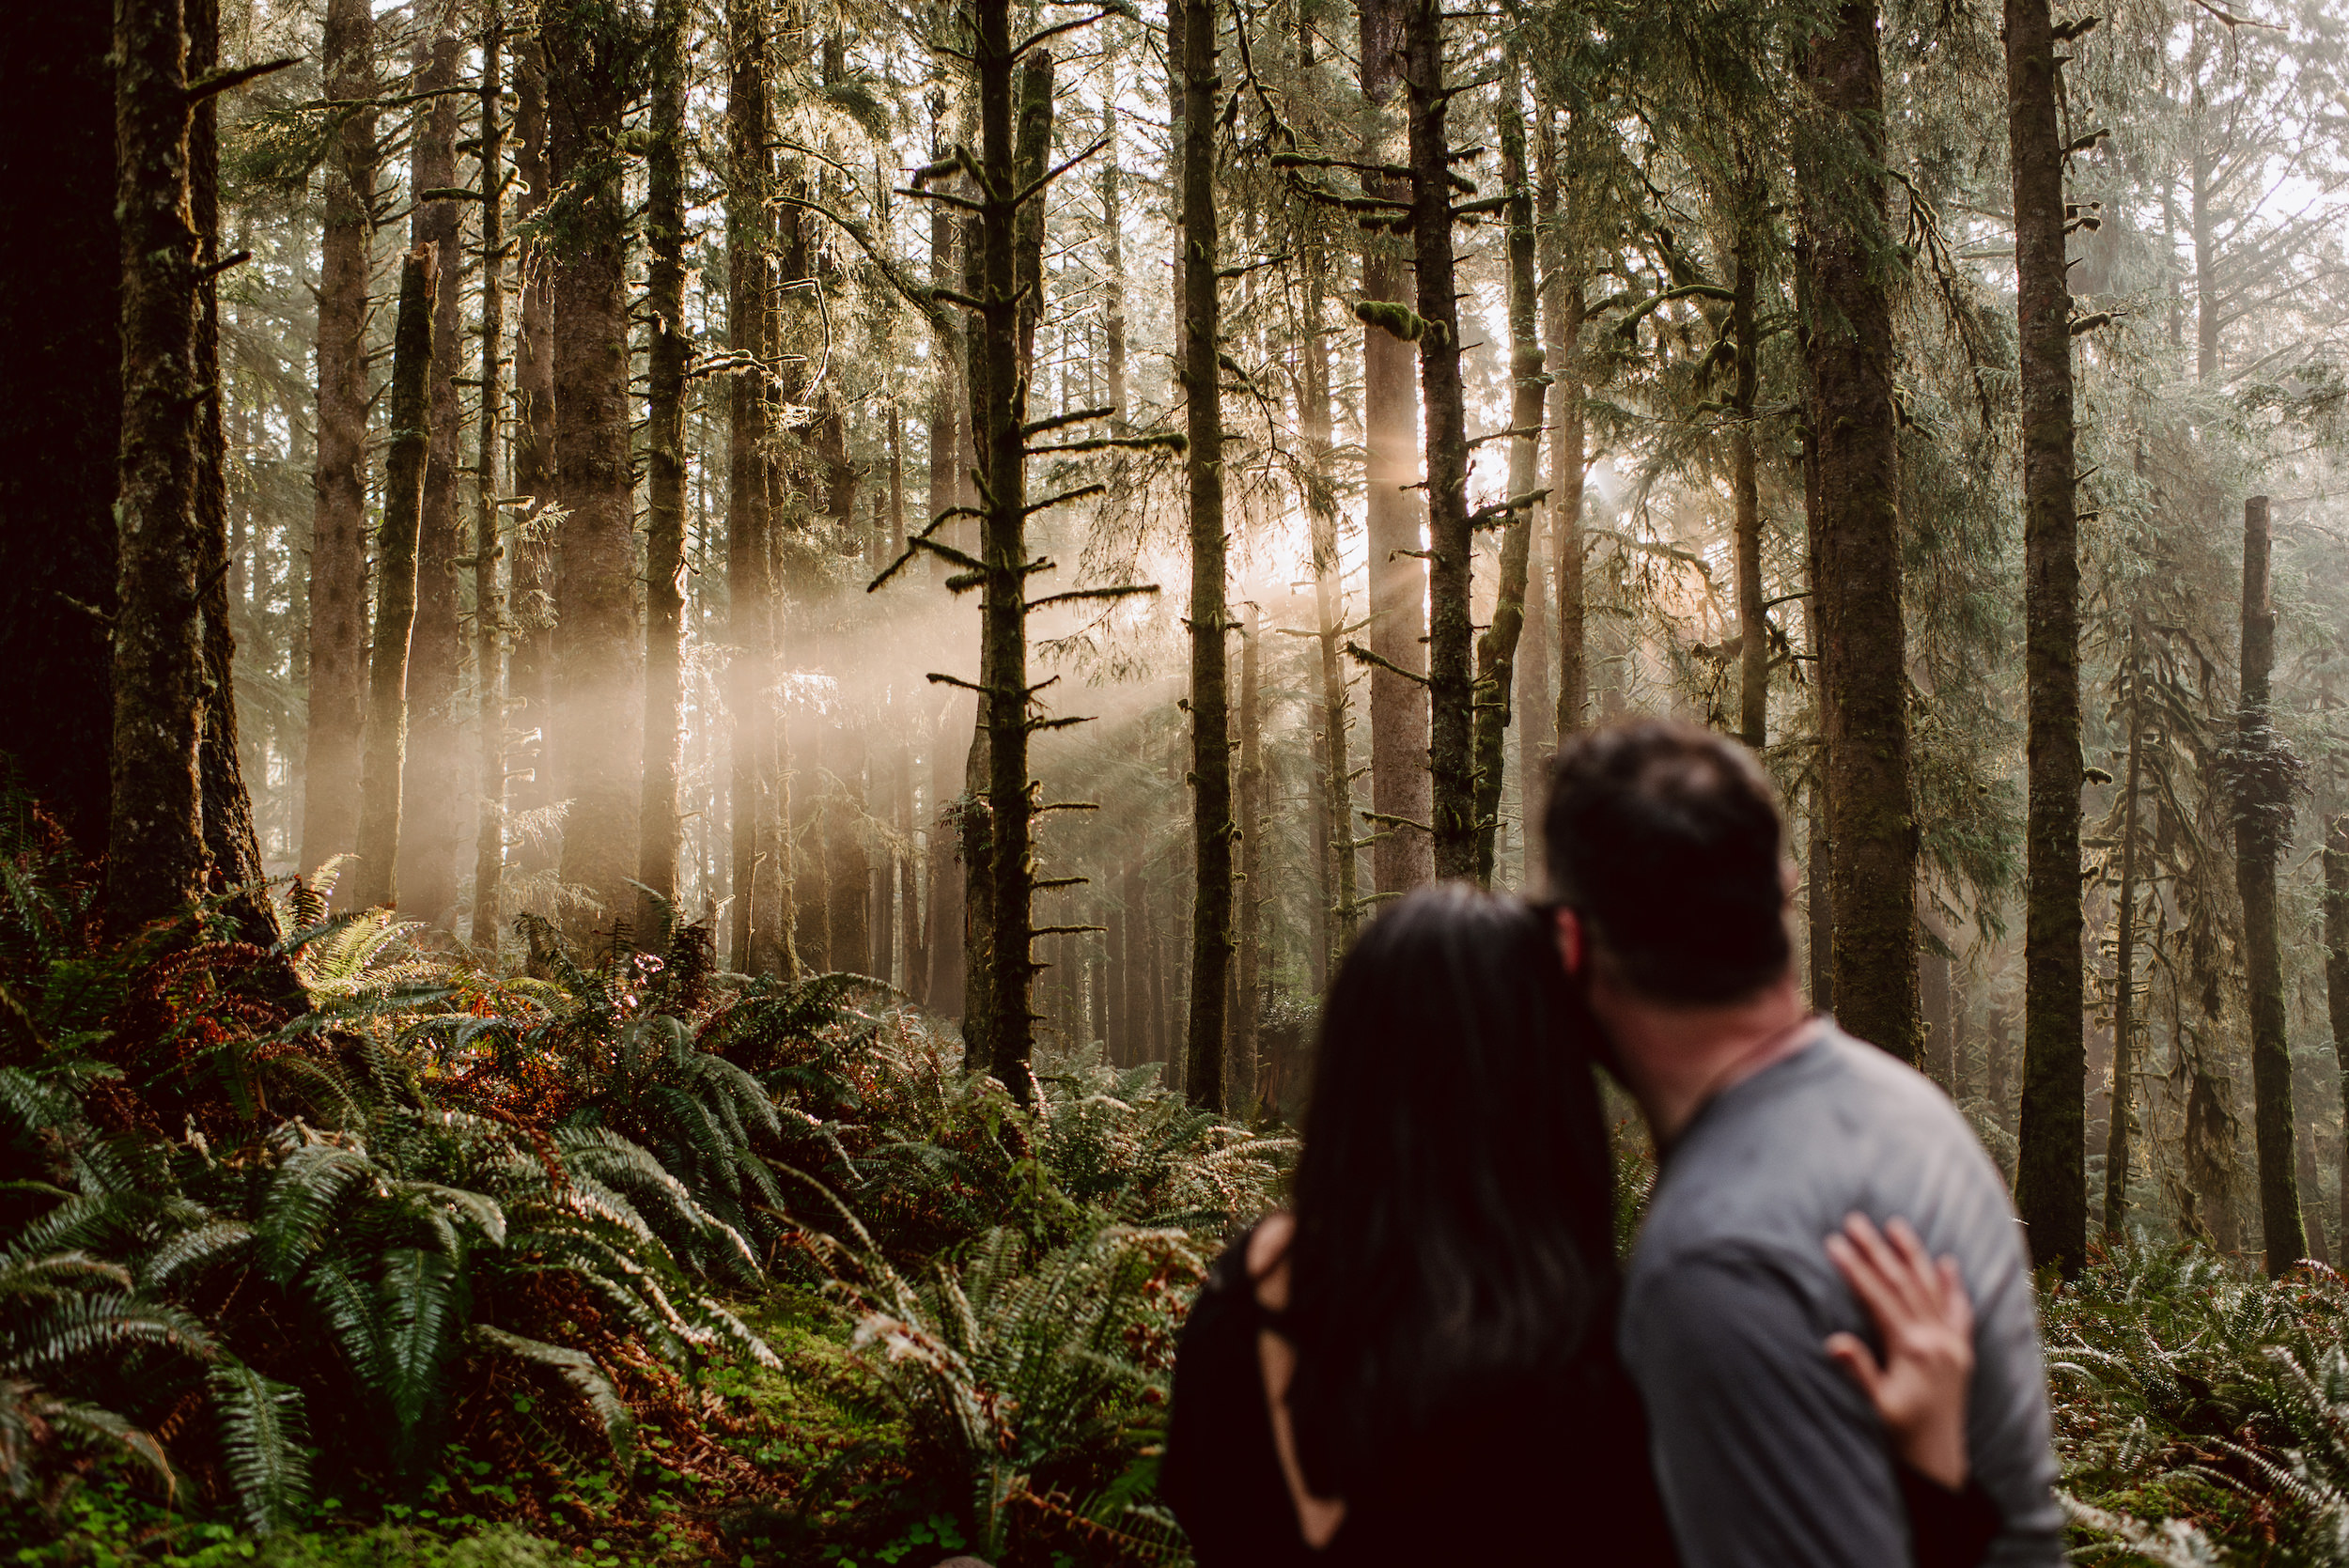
(695, 694)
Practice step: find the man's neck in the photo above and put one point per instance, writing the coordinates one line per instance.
(1676, 1058)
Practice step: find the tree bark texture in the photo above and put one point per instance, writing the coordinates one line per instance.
(1200, 308)
(489, 550)
(338, 530)
(1004, 965)
(2051, 1171)
(1496, 650)
(1753, 630)
(1872, 834)
(530, 668)
(761, 945)
(60, 314)
(2336, 855)
(1401, 790)
(1444, 410)
(599, 696)
(155, 842)
(668, 361)
(2124, 970)
(2262, 824)
(1340, 896)
(232, 846)
(375, 880)
(1563, 328)
(1252, 889)
(432, 795)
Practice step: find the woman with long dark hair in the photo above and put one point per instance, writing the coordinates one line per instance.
(1417, 1363)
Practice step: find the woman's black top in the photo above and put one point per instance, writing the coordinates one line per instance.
(1558, 1477)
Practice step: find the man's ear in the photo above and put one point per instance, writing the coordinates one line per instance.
(1570, 941)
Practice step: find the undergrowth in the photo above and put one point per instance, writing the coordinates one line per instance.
(638, 1261)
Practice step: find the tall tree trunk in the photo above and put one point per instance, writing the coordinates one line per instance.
(489, 615)
(1112, 245)
(431, 794)
(998, 1025)
(761, 945)
(2263, 814)
(1254, 886)
(2050, 1185)
(2205, 222)
(1200, 313)
(848, 866)
(1497, 650)
(231, 843)
(1873, 834)
(1562, 280)
(60, 314)
(338, 529)
(1753, 630)
(1340, 896)
(948, 805)
(375, 882)
(2337, 982)
(1401, 790)
(668, 357)
(598, 712)
(2124, 968)
(155, 837)
(1451, 681)
(530, 671)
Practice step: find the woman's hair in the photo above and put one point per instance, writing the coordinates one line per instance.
(1455, 1241)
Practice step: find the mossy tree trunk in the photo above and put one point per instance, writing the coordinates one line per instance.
(1451, 678)
(338, 654)
(1497, 650)
(530, 665)
(2336, 855)
(375, 880)
(2263, 823)
(2125, 964)
(232, 846)
(1753, 631)
(431, 821)
(1340, 897)
(598, 706)
(669, 361)
(1562, 282)
(489, 550)
(1201, 314)
(1872, 834)
(760, 942)
(2050, 1188)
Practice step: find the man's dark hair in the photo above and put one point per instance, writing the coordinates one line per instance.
(1664, 839)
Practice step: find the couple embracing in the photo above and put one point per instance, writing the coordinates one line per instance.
(1823, 1350)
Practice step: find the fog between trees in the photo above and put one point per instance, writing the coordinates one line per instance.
(1064, 511)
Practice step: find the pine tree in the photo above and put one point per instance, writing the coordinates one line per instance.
(338, 546)
(2051, 1174)
(598, 715)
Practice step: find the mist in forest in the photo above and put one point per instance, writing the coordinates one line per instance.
(1068, 536)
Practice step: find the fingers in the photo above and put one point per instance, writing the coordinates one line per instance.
(1900, 1257)
(1857, 1255)
(1957, 1307)
(1851, 1353)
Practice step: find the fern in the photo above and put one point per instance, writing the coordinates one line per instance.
(586, 1380)
(263, 1431)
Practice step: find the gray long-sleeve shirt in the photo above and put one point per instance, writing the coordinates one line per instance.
(1767, 1454)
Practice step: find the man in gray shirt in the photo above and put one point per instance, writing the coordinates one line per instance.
(1665, 862)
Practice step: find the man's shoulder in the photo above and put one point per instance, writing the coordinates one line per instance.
(1776, 1162)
